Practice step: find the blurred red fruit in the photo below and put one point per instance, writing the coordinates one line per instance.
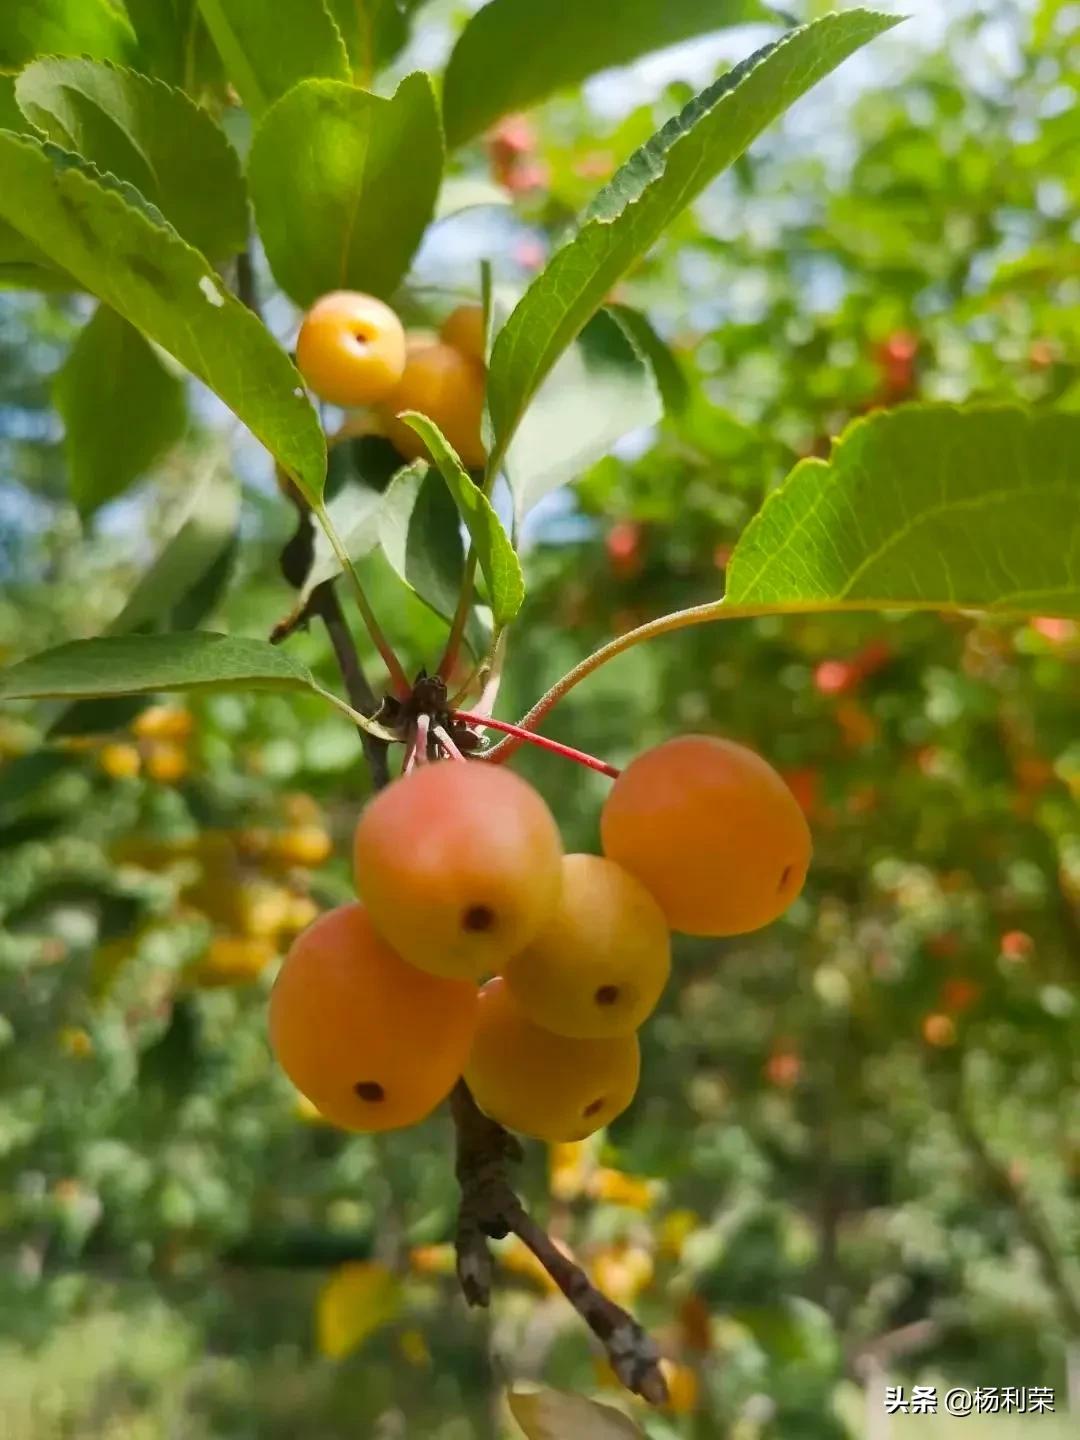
(783, 1069)
(1017, 946)
(836, 677)
(1052, 628)
(896, 359)
(625, 549)
(960, 995)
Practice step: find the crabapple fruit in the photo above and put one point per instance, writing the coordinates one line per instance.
(601, 959)
(459, 866)
(351, 348)
(371, 1041)
(710, 828)
(552, 1087)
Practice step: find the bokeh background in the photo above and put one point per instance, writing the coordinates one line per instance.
(855, 1156)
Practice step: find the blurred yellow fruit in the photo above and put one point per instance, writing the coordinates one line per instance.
(119, 761)
(622, 1271)
(75, 1042)
(300, 809)
(302, 912)
(262, 910)
(163, 722)
(674, 1231)
(166, 762)
(433, 1259)
(939, 1030)
(569, 1166)
(307, 845)
(231, 960)
(634, 1191)
(683, 1387)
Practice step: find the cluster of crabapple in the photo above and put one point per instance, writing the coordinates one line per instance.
(353, 351)
(479, 949)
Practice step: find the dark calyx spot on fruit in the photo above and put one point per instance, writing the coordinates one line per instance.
(370, 1090)
(478, 918)
(593, 1108)
(607, 995)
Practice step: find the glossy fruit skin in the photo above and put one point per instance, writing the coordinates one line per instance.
(463, 330)
(351, 348)
(710, 828)
(372, 1042)
(601, 960)
(551, 1087)
(459, 866)
(446, 386)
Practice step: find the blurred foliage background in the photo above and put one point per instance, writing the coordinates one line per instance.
(855, 1156)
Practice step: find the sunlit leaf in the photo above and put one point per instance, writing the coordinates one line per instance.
(928, 505)
(498, 561)
(357, 1299)
(121, 249)
(556, 1415)
(337, 206)
(661, 179)
(142, 131)
(269, 48)
(513, 53)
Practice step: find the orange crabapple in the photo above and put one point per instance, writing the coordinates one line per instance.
(446, 386)
(351, 348)
(549, 1086)
(710, 828)
(374, 1043)
(459, 864)
(601, 959)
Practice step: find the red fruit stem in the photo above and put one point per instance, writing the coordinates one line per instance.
(444, 738)
(566, 751)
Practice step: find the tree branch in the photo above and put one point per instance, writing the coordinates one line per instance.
(491, 1210)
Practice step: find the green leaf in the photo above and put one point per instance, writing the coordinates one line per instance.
(374, 30)
(269, 48)
(62, 27)
(661, 179)
(555, 1415)
(671, 380)
(177, 592)
(927, 505)
(134, 261)
(165, 30)
(354, 514)
(513, 53)
(599, 391)
(196, 550)
(420, 536)
(139, 664)
(498, 560)
(146, 133)
(122, 409)
(344, 185)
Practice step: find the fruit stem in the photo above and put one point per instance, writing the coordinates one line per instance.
(554, 746)
(443, 736)
(420, 749)
(402, 688)
(461, 616)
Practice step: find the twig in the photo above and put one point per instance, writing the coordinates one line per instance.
(554, 746)
(491, 1210)
(325, 603)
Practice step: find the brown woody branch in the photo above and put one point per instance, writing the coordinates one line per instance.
(490, 1210)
